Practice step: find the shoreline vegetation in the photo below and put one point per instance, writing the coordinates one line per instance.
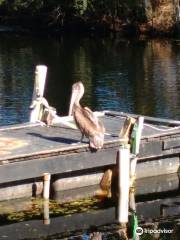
(131, 17)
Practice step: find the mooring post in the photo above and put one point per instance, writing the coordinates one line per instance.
(123, 160)
(39, 85)
(46, 219)
(46, 186)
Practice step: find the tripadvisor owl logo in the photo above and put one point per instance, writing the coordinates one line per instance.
(139, 231)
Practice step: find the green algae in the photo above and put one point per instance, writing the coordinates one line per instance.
(36, 207)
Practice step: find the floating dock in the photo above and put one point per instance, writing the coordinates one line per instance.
(30, 150)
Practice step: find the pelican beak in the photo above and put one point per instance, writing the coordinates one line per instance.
(73, 99)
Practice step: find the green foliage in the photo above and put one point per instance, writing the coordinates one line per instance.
(19, 5)
(81, 6)
(130, 10)
(30, 4)
(2, 2)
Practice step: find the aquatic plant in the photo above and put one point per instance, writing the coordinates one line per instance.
(35, 211)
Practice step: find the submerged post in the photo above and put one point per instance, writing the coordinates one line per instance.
(46, 187)
(39, 85)
(123, 161)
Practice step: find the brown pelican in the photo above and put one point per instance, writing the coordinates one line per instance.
(86, 121)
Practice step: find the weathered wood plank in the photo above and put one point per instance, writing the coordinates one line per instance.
(75, 182)
(28, 188)
(57, 164)
(150, 149)
(158, 167)
(171, 143)
(157, 184)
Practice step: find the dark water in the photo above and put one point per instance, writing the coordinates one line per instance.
(137, 76)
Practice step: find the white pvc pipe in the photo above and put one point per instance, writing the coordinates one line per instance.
(123, 161)
(46, 187)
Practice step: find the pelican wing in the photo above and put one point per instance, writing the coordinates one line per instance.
(83, 121)
(89, 125)
(91, 116)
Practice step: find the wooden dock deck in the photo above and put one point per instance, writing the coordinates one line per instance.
(29, 150)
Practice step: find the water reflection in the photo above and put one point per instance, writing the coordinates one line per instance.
(124, 75)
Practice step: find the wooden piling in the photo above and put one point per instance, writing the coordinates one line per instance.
(39, 85)
(46, 187)
(123, 160)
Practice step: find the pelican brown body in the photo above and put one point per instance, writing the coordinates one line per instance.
(86, 121)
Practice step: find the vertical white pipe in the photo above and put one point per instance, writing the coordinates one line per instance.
(46, 187)
(123, 160)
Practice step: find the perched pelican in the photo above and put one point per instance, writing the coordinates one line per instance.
(86, 121)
